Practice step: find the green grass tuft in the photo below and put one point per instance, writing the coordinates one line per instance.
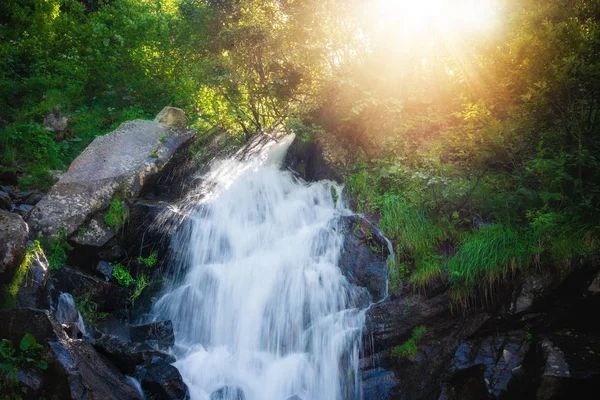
(409, 348)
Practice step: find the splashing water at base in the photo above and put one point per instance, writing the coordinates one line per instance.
(259, 304)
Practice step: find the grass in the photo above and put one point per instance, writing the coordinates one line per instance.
(117, 214)
(58, 249)
(149, 261)
(409, 348)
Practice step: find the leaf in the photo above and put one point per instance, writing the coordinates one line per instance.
(27, 341)
(42, 364)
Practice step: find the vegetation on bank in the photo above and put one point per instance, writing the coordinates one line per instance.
(28, 355)
(478, 152)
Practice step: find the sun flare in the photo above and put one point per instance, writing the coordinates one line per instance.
(422, 19)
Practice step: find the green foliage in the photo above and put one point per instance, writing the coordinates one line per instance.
(149, 261)
(89, 310)
(409, 348)
(28, 354)
(163, 139)
(122, 275)
(140, 284)
(117, 214)
(57, 250)
(154, 155)
(21, 274)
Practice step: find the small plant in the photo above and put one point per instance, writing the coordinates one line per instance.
(89, 310)
(154, 155)
(163, 138)
(141, 283)
(29, 354)
(117, 214)
(409, 348)
(528, 336)
(58, 249)
(334, 194)
(122, 275)
(149, 261)
(21, 274)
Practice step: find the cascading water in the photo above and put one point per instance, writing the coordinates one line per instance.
(258, 302)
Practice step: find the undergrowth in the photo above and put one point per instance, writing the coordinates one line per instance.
(409, 348)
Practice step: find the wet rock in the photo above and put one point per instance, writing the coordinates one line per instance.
(499, 356)
(32, 292)
(94, 233)
(172, 117)
(556, 376)
(5, 201)
(530, 290)
(119, 162)
(364, 257)
(31, 380)
(159, 332)
(228, 393)
(106, 270)
(17, 322)
(33, 199)
(162, 380)
(127, 355)
(83, 373)
(109, 297)
(113, 253)
(294, 397)
(13, 242)
(23, 210)
(378, 383)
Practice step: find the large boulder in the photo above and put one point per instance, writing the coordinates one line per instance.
(13, 242)
(365, 255)
(159, 333)
(163, 380)
(117, 163)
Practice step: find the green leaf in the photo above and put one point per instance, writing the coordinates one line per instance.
(27, 341)
(42, 364)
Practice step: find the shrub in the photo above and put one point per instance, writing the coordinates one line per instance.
(58, 249)
(122, 275)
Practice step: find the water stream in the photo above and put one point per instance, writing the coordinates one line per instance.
(258, 302)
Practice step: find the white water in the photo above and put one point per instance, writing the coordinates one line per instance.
(66, 311)
(259, 302)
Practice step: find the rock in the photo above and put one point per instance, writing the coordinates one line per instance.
(8, 189)
(13, 243)
(531, 290)
(23, 210)
(556, 376)
(31, 379)
(94, 233)
(228, 393)
(119, 162)
(33, 199)
(294, 397)
(56, 122)
(161, 332)
(106, 270)
(172, 117)
(127, 355)
(108, 297)
(5, 201)
(32, 292)
(17, 322)
(595, 285)
(84, 374)
(500, 357)
(113, 253)
(378, 383)
(162, 380)
(364, 257)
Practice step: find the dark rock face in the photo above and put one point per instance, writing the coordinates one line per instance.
(126, 355)
(160, 333)
(17, 322)
(85, 374)
(364, 257)
(32, 292)
(13, 242)
(113, 253)
(162, 380)
(5, 201)
(32, 380)
(105, 269)
(227, 393)
(108, 297)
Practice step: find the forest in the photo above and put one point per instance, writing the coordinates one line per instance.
(473, 130)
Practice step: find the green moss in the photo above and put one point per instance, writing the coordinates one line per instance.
(122, 275)
(17, 281)
(163, 138)
(149, 261)
(117, 214)
(409, 348)
(154, 155)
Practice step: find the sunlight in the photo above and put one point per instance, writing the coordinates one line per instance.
(424, 19)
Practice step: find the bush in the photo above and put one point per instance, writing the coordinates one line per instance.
(28, 354)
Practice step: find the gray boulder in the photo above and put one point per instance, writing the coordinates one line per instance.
(95, 233)
(117, 163)
(5, 201)
(13, 242)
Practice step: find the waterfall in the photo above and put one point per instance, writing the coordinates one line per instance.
(66, 312)
(260, 308)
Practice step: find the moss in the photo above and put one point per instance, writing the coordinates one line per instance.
(117, 214)
(409, 348)
(10, 298)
